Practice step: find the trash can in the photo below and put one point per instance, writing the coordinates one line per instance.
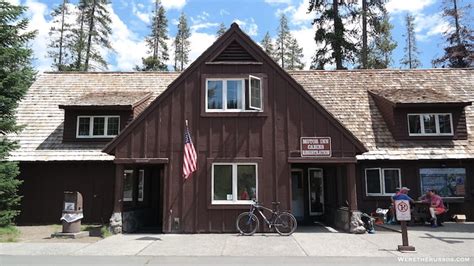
(72, 212)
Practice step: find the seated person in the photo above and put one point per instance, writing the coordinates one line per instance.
(436, 205)
(402, 194)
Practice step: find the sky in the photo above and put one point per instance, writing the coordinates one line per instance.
(131, 20)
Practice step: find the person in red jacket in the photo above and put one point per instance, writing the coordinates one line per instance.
(436, 205)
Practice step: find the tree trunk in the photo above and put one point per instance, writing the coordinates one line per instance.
(456, 20)
(60, 59)
(89, 38)
(182, 53)
(81, 37)
(336, 43)
(409, 44)
(156, 29)
(282, 52)
(364, 34)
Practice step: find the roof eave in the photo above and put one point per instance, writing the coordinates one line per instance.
(432, 104)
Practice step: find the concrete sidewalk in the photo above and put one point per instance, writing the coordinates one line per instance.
(452, 240)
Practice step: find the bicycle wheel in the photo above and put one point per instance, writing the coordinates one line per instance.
(285, 224)
(247, 223)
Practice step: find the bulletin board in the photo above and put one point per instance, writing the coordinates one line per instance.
(448, 182)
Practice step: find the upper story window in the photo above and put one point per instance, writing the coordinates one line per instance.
(97, 126)
(234, 95)
(436, 124)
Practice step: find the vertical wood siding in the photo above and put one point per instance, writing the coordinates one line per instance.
(287, 116)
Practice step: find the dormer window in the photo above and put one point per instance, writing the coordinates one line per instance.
(234, 94)
(97, 126)
(434, 124)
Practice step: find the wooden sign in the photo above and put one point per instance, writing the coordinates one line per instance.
(315, 147)
(402, 208)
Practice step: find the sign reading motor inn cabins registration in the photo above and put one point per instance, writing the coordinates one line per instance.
(316, 147)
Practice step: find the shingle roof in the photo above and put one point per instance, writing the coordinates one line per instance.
(343, 93)
(41, 139)
(412, 95)
(110, 98)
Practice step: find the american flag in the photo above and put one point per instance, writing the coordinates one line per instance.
(190, 157)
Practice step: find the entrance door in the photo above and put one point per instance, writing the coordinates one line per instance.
(316, 191)
(297, 201)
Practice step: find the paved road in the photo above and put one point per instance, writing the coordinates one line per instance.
(228, 261)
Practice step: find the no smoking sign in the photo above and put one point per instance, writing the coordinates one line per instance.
(402, 208)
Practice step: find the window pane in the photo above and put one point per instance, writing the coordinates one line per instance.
(444, 124)
(214, 94)
(223, 182)
(98, 129)
(392, 180)
(255, 93)
(246, 182)
(128, 186)
(430, 124)
(141, 184)
(414, 122)
(84, 126)
(234, 94)
(373, 181)
(113, 126)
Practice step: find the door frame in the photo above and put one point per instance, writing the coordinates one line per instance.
(322, 191)
(301, 171)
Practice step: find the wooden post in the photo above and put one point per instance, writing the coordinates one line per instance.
(118, 191)
(405, 246)
(351, 187)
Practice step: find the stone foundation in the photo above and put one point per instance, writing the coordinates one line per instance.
(115, 223)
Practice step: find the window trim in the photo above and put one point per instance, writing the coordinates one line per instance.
(250, 93)
(128, 171)
(224, 96)
(422, 124)
(382, 180)
(141, 174)
(235, 200)
(91, 126)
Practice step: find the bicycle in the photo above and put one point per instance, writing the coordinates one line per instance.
(283, 222)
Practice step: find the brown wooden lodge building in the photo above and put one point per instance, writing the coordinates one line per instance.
(323, 143)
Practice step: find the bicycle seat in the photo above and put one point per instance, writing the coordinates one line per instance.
(275, 202)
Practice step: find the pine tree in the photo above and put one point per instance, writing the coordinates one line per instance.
(96, 21)
(157, 42)
(60, 35)
(222, 29)
(459, 48)
(182, 44)
(337, 41)
(410, 59)
(382, 45)
(16, 75)
(283, 41)
(295, 56)
(375, 25)
(79, 37)
(267, 45)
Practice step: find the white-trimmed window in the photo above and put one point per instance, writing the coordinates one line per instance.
(230, 95)
(382, 181)
(141, 185)
(435, 124)
(97, 126)
(234, 183)
(128, 185)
